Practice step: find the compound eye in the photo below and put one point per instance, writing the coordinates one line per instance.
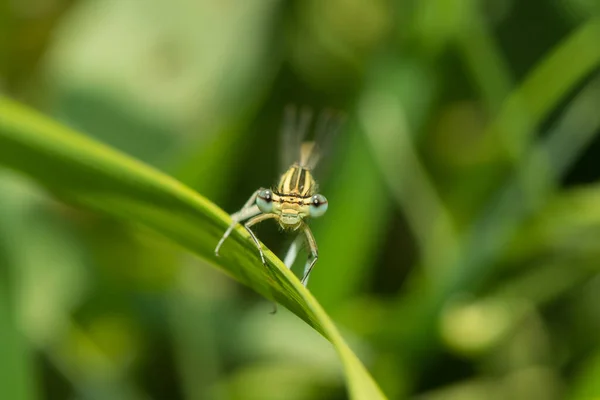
(264, 200)
(318, 205)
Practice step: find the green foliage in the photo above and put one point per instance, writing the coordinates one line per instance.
(92, 175)
(459, 253)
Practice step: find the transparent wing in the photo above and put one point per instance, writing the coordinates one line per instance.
(326, 129)
(295, 127)
(296, 147)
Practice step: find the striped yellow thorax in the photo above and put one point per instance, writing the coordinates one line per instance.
(297, 181)
(292, 197)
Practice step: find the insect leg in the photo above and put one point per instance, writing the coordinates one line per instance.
(314, 254)
(253, 221)
(248, 210)
(292, 252)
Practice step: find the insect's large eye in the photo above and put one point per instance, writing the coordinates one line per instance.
(318, 205)
(264, 201)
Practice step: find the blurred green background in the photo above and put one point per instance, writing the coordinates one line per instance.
(460, 253)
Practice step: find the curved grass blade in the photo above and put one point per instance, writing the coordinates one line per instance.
(90, 174)
(17, 376)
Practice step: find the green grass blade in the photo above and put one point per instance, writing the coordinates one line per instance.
(557, 75)
(17, 377)
(587, 385)
(369, 217)
(95, 176)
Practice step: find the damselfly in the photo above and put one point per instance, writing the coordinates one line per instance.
(295, 198)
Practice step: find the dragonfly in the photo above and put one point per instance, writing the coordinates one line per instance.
(295, 198)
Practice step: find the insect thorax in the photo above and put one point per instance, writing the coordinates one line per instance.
(297, 181)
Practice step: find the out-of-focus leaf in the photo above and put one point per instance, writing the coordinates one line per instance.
(195, 305)
(481, 54)
(345, 264)
(570, 223)
(521, 384)
(274, 381)
(587, 384)
(582, 325)
(183, 71)
(482, 246)
(97, 177)
(437, 22)
(566, 66)
(45, 260)
(276, 342)
(17, 378)
(544, 165)
(46, 265)
(389, 126)
(326, 48)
